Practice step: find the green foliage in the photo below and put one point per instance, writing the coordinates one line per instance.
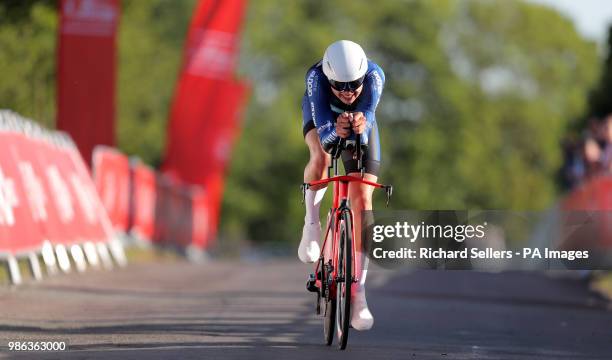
(27, 59)
(151, 37)
(600, 99)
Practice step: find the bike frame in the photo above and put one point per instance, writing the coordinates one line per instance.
(340, 204)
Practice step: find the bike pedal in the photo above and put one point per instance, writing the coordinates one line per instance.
(311, 284)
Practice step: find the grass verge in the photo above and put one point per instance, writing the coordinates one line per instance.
(603, 284)
(134, 254)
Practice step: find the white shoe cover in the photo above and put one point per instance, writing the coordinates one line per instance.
(361, 317)
(309, 250)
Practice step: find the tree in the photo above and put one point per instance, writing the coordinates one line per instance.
(600, 98)
(27, 58)
(150, 41)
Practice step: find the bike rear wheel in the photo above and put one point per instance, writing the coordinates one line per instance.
(329, 304)
(330, 321)
(345, 279)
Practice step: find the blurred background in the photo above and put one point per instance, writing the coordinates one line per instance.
(487, 104)
(497, 105)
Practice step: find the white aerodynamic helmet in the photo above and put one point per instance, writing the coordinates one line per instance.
(345, 62)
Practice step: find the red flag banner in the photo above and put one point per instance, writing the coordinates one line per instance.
(86, 72)
(207, 102)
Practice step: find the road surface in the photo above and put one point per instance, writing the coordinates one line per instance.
(260, 310)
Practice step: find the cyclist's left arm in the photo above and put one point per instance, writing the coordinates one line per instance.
(372, 91)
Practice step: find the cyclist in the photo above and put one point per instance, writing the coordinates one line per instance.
(342, 92)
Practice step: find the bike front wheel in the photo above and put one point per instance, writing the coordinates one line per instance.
(344, 280)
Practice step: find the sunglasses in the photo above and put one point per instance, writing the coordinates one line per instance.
(347, 86)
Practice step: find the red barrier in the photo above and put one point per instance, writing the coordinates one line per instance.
(173, 216)
(98, 226)
(180, 219)
(112, 178)
(163, 211)
(200, 218)
(46, 193)
(20, 231)
(144, 200)
(48, 203)
(53, 209)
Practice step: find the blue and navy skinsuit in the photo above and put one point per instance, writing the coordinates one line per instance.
(320, 108)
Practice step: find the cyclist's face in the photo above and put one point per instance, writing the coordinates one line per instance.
(347, 97)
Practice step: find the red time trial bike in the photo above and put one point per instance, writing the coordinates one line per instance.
(334, 272)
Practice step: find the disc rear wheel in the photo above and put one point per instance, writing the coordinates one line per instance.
(329, 305)
(329, 308)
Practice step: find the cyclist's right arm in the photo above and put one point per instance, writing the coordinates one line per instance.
(320, 111)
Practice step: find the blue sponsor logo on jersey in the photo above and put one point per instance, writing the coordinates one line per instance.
(312, 111)
(325, 127)
(311, 81)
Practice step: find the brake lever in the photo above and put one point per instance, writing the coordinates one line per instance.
(358, 155)
(357, 152)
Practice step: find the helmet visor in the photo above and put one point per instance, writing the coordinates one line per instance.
(347, 86)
